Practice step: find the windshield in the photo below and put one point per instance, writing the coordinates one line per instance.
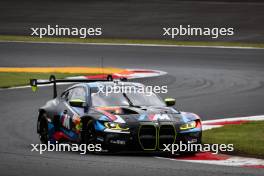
(125, 99)
(111, 99)
(142, 99)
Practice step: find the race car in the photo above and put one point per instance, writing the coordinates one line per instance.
(85, 113)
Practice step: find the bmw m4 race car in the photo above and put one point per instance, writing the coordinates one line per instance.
(117, 121)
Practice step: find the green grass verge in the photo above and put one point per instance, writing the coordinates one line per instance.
(248, 138)
(21, 79)
(129, 41)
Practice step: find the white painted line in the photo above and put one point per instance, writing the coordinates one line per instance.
(211, 126)
(123, 44)
(23, 87)
(130, 76)
(250, 118)
(147, 74)
(208, 127)
(232, 161)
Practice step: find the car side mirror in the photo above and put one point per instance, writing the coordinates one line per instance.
(170, 101)
(77, 103)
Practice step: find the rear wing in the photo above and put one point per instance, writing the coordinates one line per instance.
(52, 80)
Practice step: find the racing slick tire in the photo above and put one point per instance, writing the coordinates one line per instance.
(43, 129)
(90, 134)
(90, 137)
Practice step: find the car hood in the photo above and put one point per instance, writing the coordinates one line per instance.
(142, 114)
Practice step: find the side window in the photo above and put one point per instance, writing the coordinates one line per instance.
(78, 93)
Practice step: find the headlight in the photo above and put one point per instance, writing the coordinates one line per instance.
(115, 126)
(188, 125)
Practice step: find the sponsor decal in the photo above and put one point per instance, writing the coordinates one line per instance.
(155, 117)
(65, 121)
(77, 123)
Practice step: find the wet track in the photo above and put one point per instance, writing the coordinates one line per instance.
(214, 83)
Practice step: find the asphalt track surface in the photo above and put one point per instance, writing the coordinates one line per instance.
(212, 82)
(136, 19)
